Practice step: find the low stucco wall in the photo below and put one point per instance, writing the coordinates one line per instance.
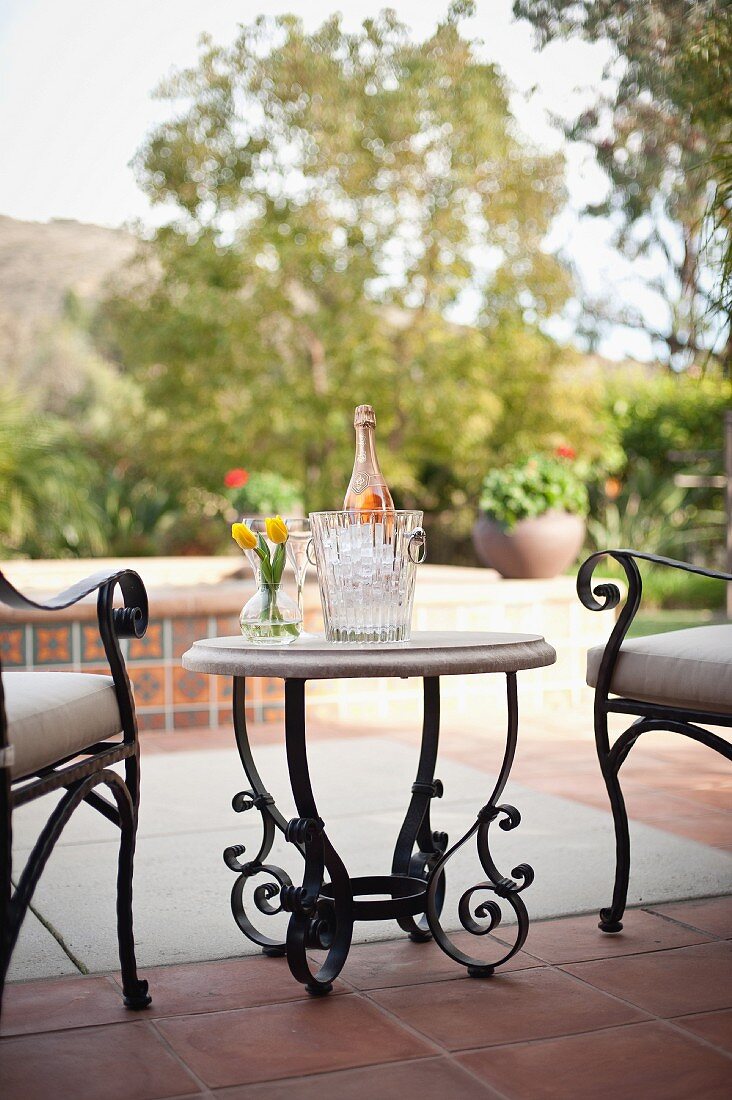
(193, 598)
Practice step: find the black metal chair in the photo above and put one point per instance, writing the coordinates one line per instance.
(671, 681)
(64, 731)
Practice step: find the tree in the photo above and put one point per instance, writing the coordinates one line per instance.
(337, 195)
(663, 138)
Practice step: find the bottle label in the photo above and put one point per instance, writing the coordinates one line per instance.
(360, 483)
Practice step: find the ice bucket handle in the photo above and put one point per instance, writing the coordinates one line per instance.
(417, 542)
(310, 552)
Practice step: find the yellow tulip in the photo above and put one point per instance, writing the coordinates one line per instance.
(243, 537)
(276, 529)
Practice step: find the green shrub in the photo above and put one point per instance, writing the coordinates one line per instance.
(669, 589)
(47, 508)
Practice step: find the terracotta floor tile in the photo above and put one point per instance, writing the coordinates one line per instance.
(581, 789)
(401, 962)
(714, 829)
(427, 1079)
(61, 1003)
(527, 1004)
(573, 939)
(663, 776)
(668, 983)
(713, 915)
(715, 1027)
(714, 791)
(122, 1062)
(224, 984)
(646, 804)
(713, 797)
(646, 1060)
(287, 1040)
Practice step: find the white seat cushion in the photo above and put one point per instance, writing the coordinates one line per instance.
(52, 715)
(683, 668)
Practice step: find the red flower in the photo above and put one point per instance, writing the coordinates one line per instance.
(236, 479)
(564, 451)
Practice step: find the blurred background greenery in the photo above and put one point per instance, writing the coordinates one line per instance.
(334, 197)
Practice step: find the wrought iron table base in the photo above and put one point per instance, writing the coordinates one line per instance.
(324, 907)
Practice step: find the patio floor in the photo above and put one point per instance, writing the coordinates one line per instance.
(642, 1014)
(646, 1013)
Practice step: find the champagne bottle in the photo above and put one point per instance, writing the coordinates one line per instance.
(367, 489)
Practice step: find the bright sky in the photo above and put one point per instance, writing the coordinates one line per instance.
(76, 78)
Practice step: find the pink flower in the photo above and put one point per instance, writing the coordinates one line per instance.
(236, 478)
(564, 451)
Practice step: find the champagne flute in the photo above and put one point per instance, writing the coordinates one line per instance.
(297, 554)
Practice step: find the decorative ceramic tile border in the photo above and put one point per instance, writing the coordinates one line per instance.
(169, 698)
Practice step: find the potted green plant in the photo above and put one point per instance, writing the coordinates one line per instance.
(260, 493)
(532, 516)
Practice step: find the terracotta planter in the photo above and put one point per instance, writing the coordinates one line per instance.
(541, 547)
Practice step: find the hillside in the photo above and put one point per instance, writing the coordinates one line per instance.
(41, 261)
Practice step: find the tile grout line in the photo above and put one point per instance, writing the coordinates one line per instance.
(80, 966)
(665, 1020)
(685, 924)
(680, 1030)
(557, 968)
(552, 1038)
(653, 1016)
(492, 1093)
(542, 963)
(629, 954)
(712, 937)
(441, 1051)
(203, 1088)
(438, 1052)
(363, 994)
(452, 1056)
(611, 1027)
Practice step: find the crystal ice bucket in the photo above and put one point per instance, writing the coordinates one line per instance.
(366, 565)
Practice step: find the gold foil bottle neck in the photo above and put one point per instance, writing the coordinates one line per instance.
(364, 416)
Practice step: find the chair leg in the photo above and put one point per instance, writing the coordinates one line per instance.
(610, 918)
(6, 866)
(4, 943)
(134, 989)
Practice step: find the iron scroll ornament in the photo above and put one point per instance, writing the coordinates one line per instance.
(606, 596)
(497, 886)
(275, 878)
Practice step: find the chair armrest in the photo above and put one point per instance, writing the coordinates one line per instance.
(129, 621)
(609, 594)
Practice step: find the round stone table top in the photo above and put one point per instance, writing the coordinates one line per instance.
(428, 653)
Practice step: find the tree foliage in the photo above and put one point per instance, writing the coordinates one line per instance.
(337, 196)
(666, 425)
(663, 138)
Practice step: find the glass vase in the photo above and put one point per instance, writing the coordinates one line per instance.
(271, 616)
